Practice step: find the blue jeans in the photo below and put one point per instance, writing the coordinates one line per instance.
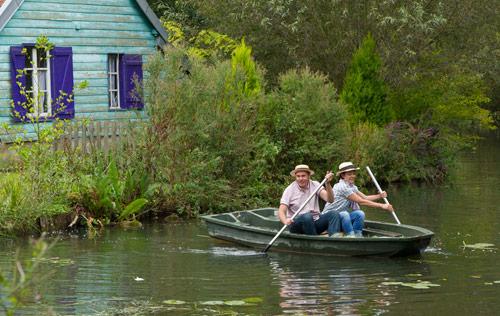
(305, 224)
(352, 222)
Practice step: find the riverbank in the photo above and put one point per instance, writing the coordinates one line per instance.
(215, 141)
(176, 268)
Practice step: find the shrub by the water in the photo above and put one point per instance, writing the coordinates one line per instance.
(215, 140)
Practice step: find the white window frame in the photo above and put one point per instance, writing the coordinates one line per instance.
(38, 109)
(116, 73)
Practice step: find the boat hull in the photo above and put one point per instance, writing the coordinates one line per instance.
(256, 228)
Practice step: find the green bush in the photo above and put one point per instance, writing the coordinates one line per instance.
(304, 123)
(364, 90)
(202, 134)
(451, 101)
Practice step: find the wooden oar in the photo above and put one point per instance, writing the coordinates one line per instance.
(380, 191)
(295, 214)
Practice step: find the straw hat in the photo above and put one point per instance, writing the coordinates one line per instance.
(301, 168)
(346, 166)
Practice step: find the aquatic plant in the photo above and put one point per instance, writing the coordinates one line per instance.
(18, 287)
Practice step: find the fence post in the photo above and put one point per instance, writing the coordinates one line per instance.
(98, 133)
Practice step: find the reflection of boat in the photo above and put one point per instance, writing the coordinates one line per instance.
(257, 227)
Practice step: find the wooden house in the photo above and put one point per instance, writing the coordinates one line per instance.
(101, 43)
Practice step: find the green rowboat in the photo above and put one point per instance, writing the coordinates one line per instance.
(255, 228)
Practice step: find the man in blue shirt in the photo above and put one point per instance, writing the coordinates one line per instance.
(348, 200)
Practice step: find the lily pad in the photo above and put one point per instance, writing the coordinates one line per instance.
(479, 246)
(235, 303)
(414, 275)
(392, 283)
(57, 260)
(421, 285)
(253, 300)
(174, 302)
(212, 303)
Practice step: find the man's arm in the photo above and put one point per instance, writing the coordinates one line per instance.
(355, 197)
(282, 214)
(327, 193)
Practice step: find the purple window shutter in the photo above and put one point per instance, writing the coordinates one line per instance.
(130, 69)
(18, 62)
(61, 80)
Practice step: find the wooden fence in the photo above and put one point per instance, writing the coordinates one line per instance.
(95, 135)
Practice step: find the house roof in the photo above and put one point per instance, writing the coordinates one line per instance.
(9, 7)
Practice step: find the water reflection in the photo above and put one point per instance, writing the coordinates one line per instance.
(340, 286)
(179, 262)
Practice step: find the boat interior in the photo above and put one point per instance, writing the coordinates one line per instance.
(268, 218)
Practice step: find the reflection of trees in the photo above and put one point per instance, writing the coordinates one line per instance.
(452, 210)
(337, 286)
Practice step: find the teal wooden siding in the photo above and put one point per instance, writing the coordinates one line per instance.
(93, 29)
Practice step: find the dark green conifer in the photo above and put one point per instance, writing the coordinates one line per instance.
(364, 91)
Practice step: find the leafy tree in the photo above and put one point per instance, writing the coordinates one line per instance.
(207, 44)
(322, 34)
(182, 12)
(249, 82)
(364, 91)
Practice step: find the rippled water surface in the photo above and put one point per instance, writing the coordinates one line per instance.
(176, 269)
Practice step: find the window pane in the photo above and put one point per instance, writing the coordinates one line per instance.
(41, 58)
(112, 63)
(42, 80)
(29, 80)
(114, 99)
(42, 102)
(29, 55)
(113, 82)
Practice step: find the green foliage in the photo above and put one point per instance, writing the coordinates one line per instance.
(39, 186)
(215, 140)
(205, 43)
(200, 139)
(180, 12)
(18, 287)
(208, 43)
(364, 91)
(103, 193)
(42, 42)
(176, 36)
(451, 102)
(133, 208)
(245, 80)
(303, 122)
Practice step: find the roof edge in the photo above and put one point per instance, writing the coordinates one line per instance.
(10, 7)
(146, 9)
(7, 10)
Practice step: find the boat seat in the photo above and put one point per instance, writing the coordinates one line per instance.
(255, 219)
(236, 220)
(374, 231)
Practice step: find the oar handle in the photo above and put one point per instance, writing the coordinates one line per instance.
(295, 214)
(380, 191)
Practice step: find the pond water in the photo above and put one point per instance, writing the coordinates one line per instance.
(176, 269)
